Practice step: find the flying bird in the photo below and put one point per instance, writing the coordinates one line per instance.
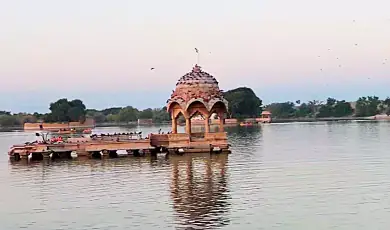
(196, 50)
(151, 68)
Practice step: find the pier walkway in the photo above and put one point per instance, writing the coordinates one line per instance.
(107, 146)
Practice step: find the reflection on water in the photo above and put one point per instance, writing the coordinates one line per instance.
(320, 175)
(245, 140)
(199, 191)
(198, 188)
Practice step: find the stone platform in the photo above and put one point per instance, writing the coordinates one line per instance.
(100, 148)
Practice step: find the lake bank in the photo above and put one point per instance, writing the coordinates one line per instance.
(285, 120)
(274, 120)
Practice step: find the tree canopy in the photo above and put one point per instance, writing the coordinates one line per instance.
(65, 111)
(335, 108)
(243, 103)
(128, 114)
(146, 114)
(282, 110)
(311, 109)
(367, 106)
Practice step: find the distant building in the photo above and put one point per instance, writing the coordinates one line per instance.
(88, 123)
(265, 117)
(231, 121)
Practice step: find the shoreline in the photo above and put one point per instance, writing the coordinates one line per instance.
(325, 119)
(274, 120)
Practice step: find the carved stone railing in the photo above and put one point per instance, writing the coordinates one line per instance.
(178, 137)
(216, 136)
(159, 139)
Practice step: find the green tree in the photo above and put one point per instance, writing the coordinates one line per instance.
(367, 106)
(282, 110)
(59, 110)
(113, 118)
(386, 105)
(64, 110)
(99, 117)
(48, 117)
(77, 103)
(387, 102)
(146, 114)
(38, 115)
(315, 105)
(327, 110)
(304, 110)
(8, 120)
(161, 115)
(243, 103)
(128, 114)
(114, 110)
(77, 111)
(342, 109)
(25, 118)
(76, 114)
(334, 108)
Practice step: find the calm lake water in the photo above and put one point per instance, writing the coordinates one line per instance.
(279, 176)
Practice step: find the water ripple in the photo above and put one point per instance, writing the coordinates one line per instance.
(333, 175)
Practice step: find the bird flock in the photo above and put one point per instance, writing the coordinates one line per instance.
(356, 45)
(322, 69)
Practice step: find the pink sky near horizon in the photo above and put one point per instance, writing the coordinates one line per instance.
(113, 44)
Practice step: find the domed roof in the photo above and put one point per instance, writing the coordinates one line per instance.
(197, 85)
(197, 76)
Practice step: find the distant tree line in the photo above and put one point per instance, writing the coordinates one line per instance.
(128, 114)
(61, 111)
(242, 103)
(364, 107)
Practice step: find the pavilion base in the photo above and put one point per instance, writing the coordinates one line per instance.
(181, 143)
(181, 151)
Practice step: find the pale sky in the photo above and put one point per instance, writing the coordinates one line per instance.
(101, 51)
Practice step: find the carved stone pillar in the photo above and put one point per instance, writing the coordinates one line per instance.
(188, 125)
(207, 124)
(174, 125)
(221, 121)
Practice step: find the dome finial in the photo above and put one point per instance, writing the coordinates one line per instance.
(196, 68)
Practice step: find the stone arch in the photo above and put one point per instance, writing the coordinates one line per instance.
(196, 113)
(198, 124)
(175, 109)
(196, 101)
(197, 107)
(218, 107)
